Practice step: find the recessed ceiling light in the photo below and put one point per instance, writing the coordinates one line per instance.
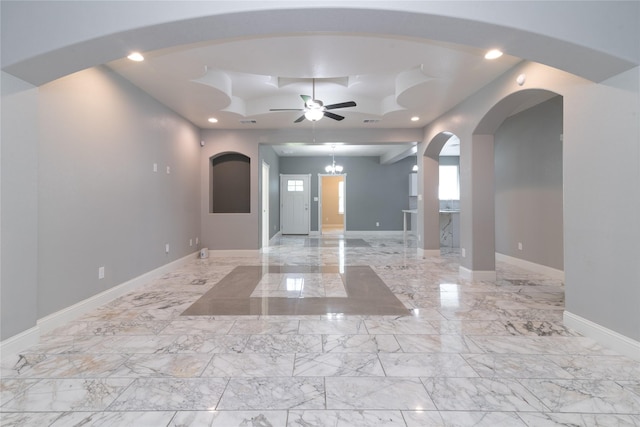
(136, 56)
(493, 54)
(415, 118)
(213, 120)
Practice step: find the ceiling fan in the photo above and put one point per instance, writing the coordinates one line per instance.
(314, 109)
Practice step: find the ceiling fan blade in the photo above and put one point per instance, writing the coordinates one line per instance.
(333, 116)
(299, 119)
(340, 105)
(286, 109)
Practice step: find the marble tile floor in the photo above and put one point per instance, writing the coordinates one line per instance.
(464, 353)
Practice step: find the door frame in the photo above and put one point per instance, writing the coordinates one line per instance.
(344, 218)
(266, 227)
(284, 177)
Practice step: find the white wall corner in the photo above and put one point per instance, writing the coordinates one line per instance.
(604, 336)
(531, 266)
(478, 275)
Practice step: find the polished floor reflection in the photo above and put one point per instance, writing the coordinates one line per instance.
(299, 290)
(457, 353)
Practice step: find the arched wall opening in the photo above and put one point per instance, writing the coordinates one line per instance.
(428, 174)
(478, 214)
(478, 187)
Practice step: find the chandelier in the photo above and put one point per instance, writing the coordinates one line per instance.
(333, 168)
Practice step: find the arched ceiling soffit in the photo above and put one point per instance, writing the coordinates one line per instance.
(510, 105)
(43, 41)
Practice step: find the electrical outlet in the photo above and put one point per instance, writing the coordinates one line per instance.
(155, 167)
(166, 248)
(377, 224)
(168, 169)
(197, 240)
(190, 242)
(463, 252)
(519, 246)
(101, 273)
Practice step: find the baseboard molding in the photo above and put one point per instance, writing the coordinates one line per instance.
(397, 233)
(428, 252)
(19, 342)
(604, 336)
(531, 266)
(23, 340)
(480, 275)
(219, 253)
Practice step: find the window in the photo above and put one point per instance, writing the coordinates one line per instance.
(449, 188)
(295, 185)
(341, 197)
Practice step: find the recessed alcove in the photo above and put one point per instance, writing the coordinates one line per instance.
(230, 183)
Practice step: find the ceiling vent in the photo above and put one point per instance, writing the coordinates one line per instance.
(248, 122)
(368, 121)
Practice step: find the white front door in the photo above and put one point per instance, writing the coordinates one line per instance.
(294, 206)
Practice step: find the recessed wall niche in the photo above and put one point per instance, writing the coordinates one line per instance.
(230, 183)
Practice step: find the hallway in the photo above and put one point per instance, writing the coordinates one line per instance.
(302, 338)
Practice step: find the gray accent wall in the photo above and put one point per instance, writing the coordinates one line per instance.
(100, 203)
(528, 185)
(269, 156)
(19, 207)
(374, 192)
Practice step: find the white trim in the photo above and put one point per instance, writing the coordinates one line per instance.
(608, 338)
(531, 266)
(219, 253)
(30, 337)
(467, 274)
(59, 318)
(355, 233)
(428, 252)
(19, 342)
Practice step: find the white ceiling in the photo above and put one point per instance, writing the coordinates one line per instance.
(238, 81)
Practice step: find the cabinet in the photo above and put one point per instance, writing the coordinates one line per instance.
(413, 184)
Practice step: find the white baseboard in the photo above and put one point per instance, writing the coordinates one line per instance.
(467, 274)
(394, 233)
(604, 336)
(219, 253)
(531, 266)
(23, 340)
(19, 342)
(428, 252)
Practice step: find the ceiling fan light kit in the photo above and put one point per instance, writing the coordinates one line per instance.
(314, 109)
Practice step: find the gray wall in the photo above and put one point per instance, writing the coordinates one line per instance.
(19, 225)
(238, 231)
(528, 185)
(374, 192)
(268, 155)
(100, 203)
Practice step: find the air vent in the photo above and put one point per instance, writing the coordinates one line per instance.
(367, 121)
(248, 122)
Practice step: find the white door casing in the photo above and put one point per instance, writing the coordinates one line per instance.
(265, 205)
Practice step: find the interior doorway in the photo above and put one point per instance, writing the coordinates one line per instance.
(332, 207)
(265, 205)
